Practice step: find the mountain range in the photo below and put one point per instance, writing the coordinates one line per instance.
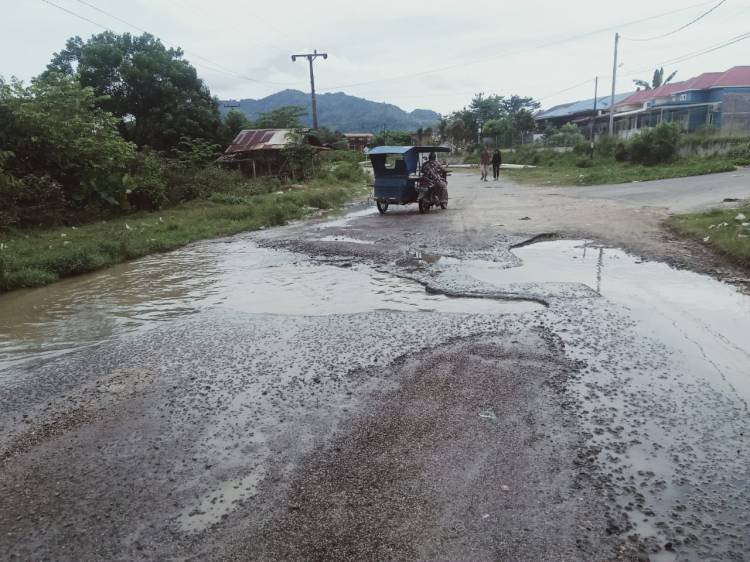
(339, 112)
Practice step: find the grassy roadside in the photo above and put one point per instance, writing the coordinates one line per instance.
(609, 172)
(32, 258)
(727, 231)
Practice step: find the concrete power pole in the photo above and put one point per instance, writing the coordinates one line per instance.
(614, 83)
(310, 58)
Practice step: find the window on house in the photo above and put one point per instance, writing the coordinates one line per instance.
(683, 97)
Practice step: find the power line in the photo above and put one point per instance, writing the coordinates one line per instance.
(208, 63)
(218, 66)
(695, 54)
(688, 24)
(516, 52)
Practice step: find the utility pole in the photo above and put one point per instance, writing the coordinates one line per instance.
(310, 58)
(593, 117)
(614, 83)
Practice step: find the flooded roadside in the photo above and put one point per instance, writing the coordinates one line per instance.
(663, 390)
(233, 274)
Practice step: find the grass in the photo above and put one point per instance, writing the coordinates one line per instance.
(720, 229)
(32, 258)
(609, 171)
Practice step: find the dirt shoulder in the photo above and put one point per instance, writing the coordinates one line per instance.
(637, 217)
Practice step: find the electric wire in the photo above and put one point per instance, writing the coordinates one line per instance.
(510, 53)
(688, 24)
(208, 63)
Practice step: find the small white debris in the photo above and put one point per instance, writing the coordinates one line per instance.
(66, 242)
(486, 516)
(161, 219)
(742, 236)
(711, 226)
(63, 235)
(505, 488)
(127, 227)
(74, 227)
(740, 217)
(2, 246)
(707, 238)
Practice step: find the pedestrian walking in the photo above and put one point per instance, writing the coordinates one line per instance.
(497, 161)
(484, 163)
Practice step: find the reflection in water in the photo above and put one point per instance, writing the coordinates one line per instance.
(689, 312)
(232, 274)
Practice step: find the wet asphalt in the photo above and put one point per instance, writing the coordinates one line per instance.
(579, 415)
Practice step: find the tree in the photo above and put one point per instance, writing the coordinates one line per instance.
(523, 122)
(60, 142)
(234, 122)
(457, 130)
(152, 89)
(287, 117)
(514, 104)
(657, 80)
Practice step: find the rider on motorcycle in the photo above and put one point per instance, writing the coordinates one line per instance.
(436, 175)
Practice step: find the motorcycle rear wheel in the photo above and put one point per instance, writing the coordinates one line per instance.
(424, 206)
(382, 206)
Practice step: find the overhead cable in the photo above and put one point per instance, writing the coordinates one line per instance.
(688, 24)
(208, 63)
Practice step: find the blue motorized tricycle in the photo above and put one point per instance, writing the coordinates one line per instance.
(399, 179)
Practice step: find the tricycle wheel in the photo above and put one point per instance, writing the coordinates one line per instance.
(424, 206)
(382, 207)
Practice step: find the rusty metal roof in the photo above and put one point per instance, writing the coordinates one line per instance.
(259, 139)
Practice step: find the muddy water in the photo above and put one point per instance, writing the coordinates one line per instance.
(232, 274)
(664, 392)
(688, 312)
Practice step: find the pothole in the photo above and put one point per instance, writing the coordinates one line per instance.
(240, 277)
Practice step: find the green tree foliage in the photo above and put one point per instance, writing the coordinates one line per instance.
(156, 93)
(657, 80)
(234, 122)
(391, 138)
(59, 145)
(652, 146)
(517, 111)
(568, 135)
(287, 117)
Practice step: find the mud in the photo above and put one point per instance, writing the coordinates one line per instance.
(403, 387)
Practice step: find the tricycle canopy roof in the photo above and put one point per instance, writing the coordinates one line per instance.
(405, 149)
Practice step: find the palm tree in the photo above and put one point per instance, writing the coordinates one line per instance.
(656, 81)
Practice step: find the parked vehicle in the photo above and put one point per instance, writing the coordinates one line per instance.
(399, 180)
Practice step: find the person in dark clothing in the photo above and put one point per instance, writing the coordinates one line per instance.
(497, 161)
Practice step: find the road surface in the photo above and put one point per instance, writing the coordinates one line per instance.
(395, 387)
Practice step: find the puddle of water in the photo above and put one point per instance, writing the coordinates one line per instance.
(687, 311)
(233, 274)
(346, 220)
(346, 239)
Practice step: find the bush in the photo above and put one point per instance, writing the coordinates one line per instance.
(605, 146)
(655, 146)
(348, 171)
(568, 135)
(146, 183)
(584, 163)
(740, 155)
(621, 152)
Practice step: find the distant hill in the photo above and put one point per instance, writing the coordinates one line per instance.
(340, 112)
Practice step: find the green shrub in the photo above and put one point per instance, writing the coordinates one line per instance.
(621, 151)
(655, 146)
(348, 171)
(584, 163)
(740, 155)
(605, 146)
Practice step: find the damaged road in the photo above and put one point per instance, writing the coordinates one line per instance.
(399, 387)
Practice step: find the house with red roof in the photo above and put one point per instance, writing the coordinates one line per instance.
(719, 100)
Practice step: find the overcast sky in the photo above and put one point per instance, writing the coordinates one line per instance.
(376, 49)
